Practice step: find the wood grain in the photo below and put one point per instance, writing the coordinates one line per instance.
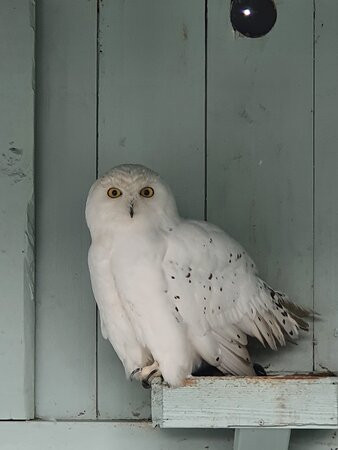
(237, 402)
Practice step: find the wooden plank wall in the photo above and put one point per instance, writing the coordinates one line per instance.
(151, 110)
(16, 209)
(66, 166)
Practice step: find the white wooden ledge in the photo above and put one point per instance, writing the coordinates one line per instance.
(294, 401)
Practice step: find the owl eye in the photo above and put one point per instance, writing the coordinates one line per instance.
(147, 192)
(114, 192)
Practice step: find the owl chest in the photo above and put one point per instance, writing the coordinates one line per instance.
(136, 266)
(136, 261)
(133, 249)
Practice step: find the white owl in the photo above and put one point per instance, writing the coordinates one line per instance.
(173, 293)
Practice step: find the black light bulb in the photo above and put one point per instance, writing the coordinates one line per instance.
(253, 18)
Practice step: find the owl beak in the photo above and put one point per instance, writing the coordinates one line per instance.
(131, 210)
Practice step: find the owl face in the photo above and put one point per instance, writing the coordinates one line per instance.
(129, 194)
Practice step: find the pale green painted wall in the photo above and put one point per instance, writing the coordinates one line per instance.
(16, 209)
(65, 165)
(325, 199)
(260, 152)
(268, 121)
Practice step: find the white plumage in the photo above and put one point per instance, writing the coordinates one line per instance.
(173, 292)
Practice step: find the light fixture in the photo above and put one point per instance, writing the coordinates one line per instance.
(253, 18)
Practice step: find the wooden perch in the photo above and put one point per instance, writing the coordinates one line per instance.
(292, 401)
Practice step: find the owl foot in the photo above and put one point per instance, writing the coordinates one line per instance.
(259, 370)
(146, 374)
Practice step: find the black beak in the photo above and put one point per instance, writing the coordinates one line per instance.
(131, 211)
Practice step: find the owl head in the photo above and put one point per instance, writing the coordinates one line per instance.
(129, 194)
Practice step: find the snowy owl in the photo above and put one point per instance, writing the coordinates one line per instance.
(175, 293)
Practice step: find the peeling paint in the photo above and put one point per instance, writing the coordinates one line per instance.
(311, 376)
(122, 141)
(29, 263)
(185, 32)
(9, 162)
(246, 116)
(16, 151)
(284, 402)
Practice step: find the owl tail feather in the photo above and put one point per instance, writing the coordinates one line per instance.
(297, 310)
(288, 315)
(233, 357)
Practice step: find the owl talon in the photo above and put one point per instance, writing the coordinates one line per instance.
(146, 382)
(153, 374)
(135, 371)
(147, 374)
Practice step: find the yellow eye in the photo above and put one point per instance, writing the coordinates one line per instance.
(114, 192)
(147, 192)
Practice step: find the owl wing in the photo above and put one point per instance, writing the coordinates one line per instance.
(214, 287)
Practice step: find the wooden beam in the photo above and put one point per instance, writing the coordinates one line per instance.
(298, 401)
(103, 435)
(108, 435)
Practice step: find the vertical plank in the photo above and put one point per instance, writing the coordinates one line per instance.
(326, 174)
(314, 440)
(17, 209)
(151, 111)
(259, 147)
(257, 439)
(66, 140)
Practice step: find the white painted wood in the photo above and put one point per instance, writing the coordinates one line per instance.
(236, 402)
(16, 209)
(151, 111)
(326, 175)
(257, 439)
(259, 148)
(66, 141)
